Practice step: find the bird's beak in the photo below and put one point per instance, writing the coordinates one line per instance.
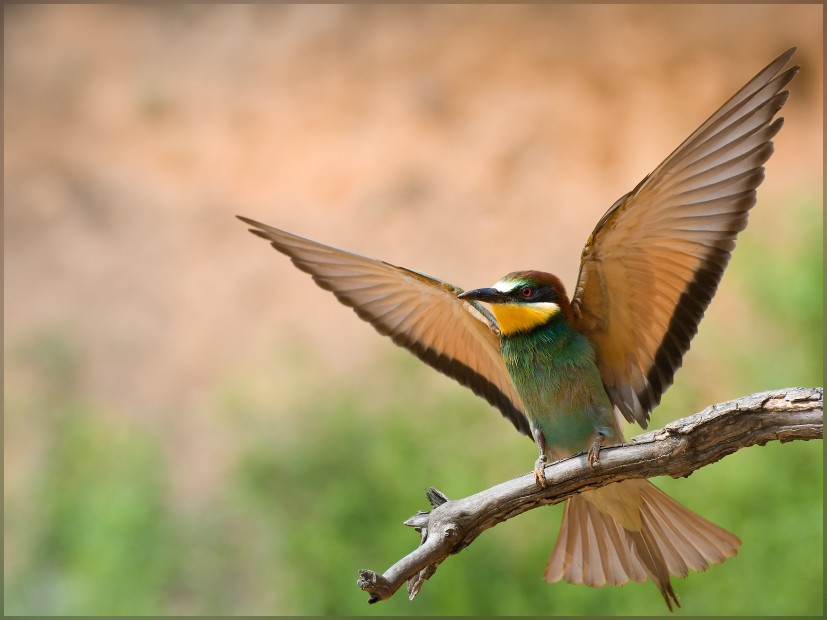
(489, 295)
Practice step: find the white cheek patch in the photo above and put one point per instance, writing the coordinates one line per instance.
(546, 307)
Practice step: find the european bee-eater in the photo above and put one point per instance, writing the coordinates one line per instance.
(565, 371)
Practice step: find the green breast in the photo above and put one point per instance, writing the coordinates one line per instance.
(553, 370)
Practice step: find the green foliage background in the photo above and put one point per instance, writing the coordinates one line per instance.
(321, 490)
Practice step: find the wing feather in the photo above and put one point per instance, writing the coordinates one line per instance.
(418, 312)
(654, 261)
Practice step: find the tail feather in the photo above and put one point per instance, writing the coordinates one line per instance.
(713, 542)
(670, 547)
(607, 561)
(560, 560)
(594, 569)
(651, 535)
(577, 551)
(573, 559)
(620, 545)
(694, 549)
(675, 529)
(647, 548)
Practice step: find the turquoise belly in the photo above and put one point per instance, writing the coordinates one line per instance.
(554, 373)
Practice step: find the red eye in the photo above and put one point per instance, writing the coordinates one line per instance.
(526, 291)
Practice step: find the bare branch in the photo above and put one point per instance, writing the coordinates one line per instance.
(677, 450)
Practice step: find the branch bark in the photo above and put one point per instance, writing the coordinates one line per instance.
(677, 450)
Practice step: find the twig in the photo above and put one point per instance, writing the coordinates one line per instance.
(677, 450)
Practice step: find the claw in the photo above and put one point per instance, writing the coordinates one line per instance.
(540, 471)
(594, 451)
(540, 463)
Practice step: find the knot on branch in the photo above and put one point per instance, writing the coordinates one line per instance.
(437, 498)
(379, 588)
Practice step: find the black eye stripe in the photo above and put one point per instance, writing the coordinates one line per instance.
(535, 293)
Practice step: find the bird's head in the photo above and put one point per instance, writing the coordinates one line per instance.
(522, 301)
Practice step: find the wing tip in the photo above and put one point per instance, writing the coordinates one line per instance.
(781, 60)
(788, 54)
(250, 222)
(259, 229)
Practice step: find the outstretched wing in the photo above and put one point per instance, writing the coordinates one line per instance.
(654, 261)
(422, 314)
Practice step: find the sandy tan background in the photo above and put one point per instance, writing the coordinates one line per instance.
(461, 141)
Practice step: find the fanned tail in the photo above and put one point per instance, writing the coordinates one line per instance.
(631, 530)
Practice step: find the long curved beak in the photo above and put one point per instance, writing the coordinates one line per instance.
(489, 295)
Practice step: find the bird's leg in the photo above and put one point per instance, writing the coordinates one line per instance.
(594, 450)
(540, 463)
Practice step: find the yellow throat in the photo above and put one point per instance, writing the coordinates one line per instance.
(515, 318)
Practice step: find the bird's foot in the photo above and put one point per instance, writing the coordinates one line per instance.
(594, 451)
(540, 470)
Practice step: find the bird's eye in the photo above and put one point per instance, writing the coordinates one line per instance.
(526, 291)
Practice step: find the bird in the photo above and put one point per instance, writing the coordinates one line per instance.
(567, 371)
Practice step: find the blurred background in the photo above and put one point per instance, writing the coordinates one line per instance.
(192, 426)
